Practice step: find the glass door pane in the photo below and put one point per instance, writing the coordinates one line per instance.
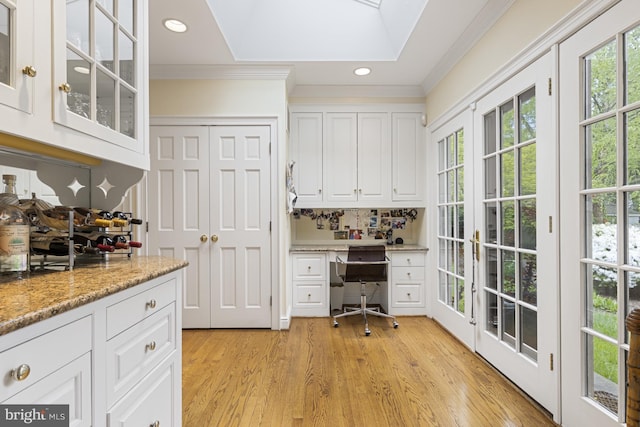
(6, 59)
(511, 259)
(451, 227)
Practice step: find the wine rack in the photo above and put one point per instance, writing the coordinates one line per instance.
(80, 242)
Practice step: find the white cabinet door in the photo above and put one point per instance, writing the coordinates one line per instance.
(306, 152)
(310, 284)
(17, 68)
(99, 69)
(408, 156)
(341, 157)
(374, 153)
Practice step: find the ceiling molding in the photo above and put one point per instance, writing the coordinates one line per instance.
(480, 25)
(359, 91)
(218, 72)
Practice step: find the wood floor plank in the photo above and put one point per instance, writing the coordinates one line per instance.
(317, 375)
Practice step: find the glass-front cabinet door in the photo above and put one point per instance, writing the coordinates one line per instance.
(17, 67)
(98, 68)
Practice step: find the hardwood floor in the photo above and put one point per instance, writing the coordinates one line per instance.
(314, 374)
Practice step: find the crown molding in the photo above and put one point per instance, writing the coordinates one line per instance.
(218, 72)
(356, 91)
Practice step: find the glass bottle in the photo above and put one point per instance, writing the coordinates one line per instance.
(14, 231)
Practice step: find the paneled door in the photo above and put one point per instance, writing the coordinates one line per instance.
(209, 203)
(515, 194)
(600, 211)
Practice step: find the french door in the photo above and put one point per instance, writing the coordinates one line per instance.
(600, 208)
(495, 235)
(517, 289)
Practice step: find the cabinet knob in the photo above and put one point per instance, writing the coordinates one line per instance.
(409, 294)
(355, 190)
(151, 346)
(408, 260)
(214, 238)
(409, 274)
(155, 424)
(29, 71)
(203, 238)
(65, 87)
(395, 190)
(21, 372)
(151, 303)
(319, 190)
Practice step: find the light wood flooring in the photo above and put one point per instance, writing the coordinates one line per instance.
(317, 375)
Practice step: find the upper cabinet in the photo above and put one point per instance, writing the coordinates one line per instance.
(408, 156)
(17, 70)
(77, 76)
(371, 156)
(356, 157)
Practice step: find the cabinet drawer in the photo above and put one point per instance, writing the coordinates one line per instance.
(69, 385)
(124, 314)
(136, 351)
(150, 403)
(404, 274)
(44, 355)
(407, 295)
(309, 267)
(309, 295)
(407, 259)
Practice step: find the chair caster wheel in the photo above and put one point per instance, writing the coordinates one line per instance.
(335, 324)
(367, 332)
(395, 325)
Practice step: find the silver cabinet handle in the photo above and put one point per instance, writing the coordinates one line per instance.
(151, 346)
(151, 304)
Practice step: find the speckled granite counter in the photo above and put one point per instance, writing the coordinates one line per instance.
(345, 246)
(43, 295)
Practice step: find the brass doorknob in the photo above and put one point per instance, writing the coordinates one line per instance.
(214, 238)
(21, 372)
(65, 87)
(203, 238)
(29, 71)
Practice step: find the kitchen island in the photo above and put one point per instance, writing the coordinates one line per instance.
(104, 338)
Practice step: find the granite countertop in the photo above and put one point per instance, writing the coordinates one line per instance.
(337, 247)
(44, 294)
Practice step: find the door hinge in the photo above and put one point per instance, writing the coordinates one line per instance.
(147, 226)
(269, 226)
(551, 361)
(550, 224)
(270, 301)
(549, 86)
(269, 148)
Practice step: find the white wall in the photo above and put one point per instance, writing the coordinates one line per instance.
(520, 26)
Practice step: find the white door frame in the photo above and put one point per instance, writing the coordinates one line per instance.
(272, 122)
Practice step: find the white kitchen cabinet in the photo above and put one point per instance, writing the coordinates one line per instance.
(310, 284)
(306, 152)
(408, 159)
(84, 86)
(17, 70)
(114, 361)
(357, 156)
(407, 283)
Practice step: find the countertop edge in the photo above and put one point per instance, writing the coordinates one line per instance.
(345, 247)
(156, 267)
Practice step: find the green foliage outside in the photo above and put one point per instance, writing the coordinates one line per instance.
(605, 320)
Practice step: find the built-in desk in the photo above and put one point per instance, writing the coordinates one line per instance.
(314, 280)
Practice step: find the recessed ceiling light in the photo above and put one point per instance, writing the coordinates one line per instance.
(362, 71)
(81, 70)
(175, 25)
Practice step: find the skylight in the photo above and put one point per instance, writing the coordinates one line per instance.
(312, 30)
(374, 3)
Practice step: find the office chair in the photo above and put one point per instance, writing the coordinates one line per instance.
(364, 264)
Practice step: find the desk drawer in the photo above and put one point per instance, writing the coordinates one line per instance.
(136, 351)
(407, 274)
(44, 355)
(311, 266)
(124, 314)
(407, 259)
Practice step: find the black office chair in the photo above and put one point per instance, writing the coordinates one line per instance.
(364, 264)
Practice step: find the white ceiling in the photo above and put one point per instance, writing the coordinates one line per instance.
(408, 44)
